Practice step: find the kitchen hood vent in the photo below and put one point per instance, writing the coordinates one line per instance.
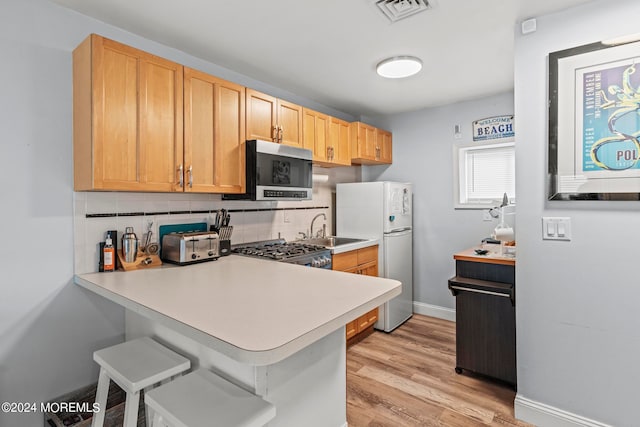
(396, 10)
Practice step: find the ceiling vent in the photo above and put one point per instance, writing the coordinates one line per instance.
(396, 10)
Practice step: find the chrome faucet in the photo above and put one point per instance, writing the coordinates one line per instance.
(324, 226)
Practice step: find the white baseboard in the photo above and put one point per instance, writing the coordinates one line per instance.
(434, 311)
(543, 415)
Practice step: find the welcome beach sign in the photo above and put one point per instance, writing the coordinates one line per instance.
(498, 127)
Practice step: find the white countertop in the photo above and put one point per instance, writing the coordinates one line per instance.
(254, 311)
(353, 246)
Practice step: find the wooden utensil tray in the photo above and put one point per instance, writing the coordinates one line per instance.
(142, 261)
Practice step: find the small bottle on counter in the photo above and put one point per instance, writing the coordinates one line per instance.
(109, 253)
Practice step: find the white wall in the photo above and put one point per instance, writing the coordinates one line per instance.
(577, 305)
(48, 326)
(423, 154)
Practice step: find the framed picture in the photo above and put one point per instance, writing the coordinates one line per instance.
(594, 122)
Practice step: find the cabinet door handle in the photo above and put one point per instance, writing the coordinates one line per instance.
(281, 133)
(180, 176)
(274, 133)
(190, 170)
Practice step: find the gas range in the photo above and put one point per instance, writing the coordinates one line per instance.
(290, 252)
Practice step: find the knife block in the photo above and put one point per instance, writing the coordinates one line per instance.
(142, 261)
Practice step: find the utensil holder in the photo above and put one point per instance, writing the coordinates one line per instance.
(225, 239)
(225, 247)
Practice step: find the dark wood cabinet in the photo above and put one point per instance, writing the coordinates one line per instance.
(485, 318)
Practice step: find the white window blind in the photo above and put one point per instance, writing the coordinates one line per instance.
(486, 172)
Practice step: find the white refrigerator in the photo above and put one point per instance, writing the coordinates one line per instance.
(382, 210)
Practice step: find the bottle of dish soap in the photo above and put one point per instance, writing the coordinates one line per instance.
(109, 253)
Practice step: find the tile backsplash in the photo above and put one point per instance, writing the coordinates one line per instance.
(97, 212)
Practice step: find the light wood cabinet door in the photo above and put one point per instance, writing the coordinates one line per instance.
(369, 145)
(339, 142)
(345, 261)
(383, 142)
(367, 320)
(351, 328)
(363, 143)
(369, 269)
(128, 123)
(360, 261)
(262, 113)
(315, 127)
(290, 123)
(214, 134)
(328, 138)
(273, 119)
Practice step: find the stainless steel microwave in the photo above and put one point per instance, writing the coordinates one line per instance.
(276, 172)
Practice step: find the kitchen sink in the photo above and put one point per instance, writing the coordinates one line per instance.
(333, 241)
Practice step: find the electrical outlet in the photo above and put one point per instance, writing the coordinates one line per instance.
(285, 215)
(486, 216)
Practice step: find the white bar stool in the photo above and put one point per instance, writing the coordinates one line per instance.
(202, 398)
(134, 365)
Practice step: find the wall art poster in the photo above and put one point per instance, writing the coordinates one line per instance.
(594, 122)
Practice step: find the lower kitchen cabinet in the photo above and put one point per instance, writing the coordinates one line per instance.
(359, 261)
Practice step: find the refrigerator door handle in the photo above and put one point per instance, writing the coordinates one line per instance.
(398, 231)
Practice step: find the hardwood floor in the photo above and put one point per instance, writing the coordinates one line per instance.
(407, 378)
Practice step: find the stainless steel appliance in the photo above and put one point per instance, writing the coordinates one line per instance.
(189, 248)
(276, 172)
(129, 245)
(382, 210)
(293, 252)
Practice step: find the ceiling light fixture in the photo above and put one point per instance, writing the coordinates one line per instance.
(399, 67)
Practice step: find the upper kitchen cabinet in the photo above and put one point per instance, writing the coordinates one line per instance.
(327, 137)
(383, 141)
(339, 142)
(127, 120)
(315, 130)
(370, 145)
(273, 119)
(214, 134)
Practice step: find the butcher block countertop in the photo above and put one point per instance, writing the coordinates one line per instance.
(254, 311)
(489, 258)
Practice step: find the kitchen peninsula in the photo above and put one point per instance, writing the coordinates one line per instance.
(272, 328)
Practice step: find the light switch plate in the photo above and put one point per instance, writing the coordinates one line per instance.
(556, 228)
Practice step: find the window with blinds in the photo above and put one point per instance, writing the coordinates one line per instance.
(485, 173)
